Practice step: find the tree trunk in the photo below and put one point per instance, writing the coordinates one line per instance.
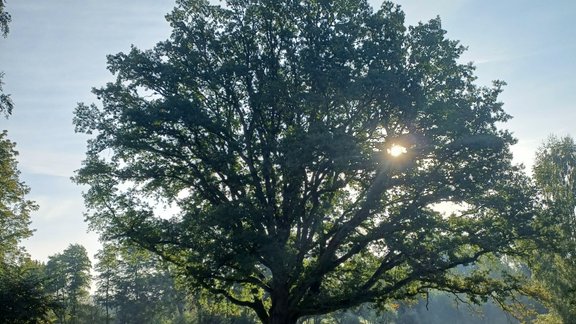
(280, 312)
(282, 317)
(282, 320)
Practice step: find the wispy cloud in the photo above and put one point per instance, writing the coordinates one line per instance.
(50, 163)
(509, 56)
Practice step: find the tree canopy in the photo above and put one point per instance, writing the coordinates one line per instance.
(22, 299)
(15, 209)
(6, 103)
(267, 126)
(555, 263)
(5, 19)
(68, 279)
(134, 287)
(22, 295)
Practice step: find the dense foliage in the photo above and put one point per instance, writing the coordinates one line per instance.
(5, 19)
(134, 287)
(6, 103)
(68, 280)
(15, 209)
(267, 125)
(23, 299)
(555, 263)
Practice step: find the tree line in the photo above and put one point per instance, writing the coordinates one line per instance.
(318, 157)
(132, 285)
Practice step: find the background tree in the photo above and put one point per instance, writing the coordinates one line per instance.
(308, 146)
(135, 287)
(14, 208)
(555, 263)
(6, 103)
(22, 295)
(69, 281)
(106, 267)
(23, 299)
(4, 19)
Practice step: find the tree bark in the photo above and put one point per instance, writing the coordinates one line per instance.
(280, 312)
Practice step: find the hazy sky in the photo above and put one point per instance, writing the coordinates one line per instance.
(56, 52)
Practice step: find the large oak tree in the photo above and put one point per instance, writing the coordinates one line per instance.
(269, 126)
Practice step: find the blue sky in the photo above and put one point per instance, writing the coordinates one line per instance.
(56, 52)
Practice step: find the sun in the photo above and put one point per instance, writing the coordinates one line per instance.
(396, 150)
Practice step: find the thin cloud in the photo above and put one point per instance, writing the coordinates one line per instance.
(49, 163)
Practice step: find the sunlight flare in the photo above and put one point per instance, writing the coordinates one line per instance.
(396, 150)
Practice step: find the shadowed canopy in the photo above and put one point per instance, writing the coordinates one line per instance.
(268, 124)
